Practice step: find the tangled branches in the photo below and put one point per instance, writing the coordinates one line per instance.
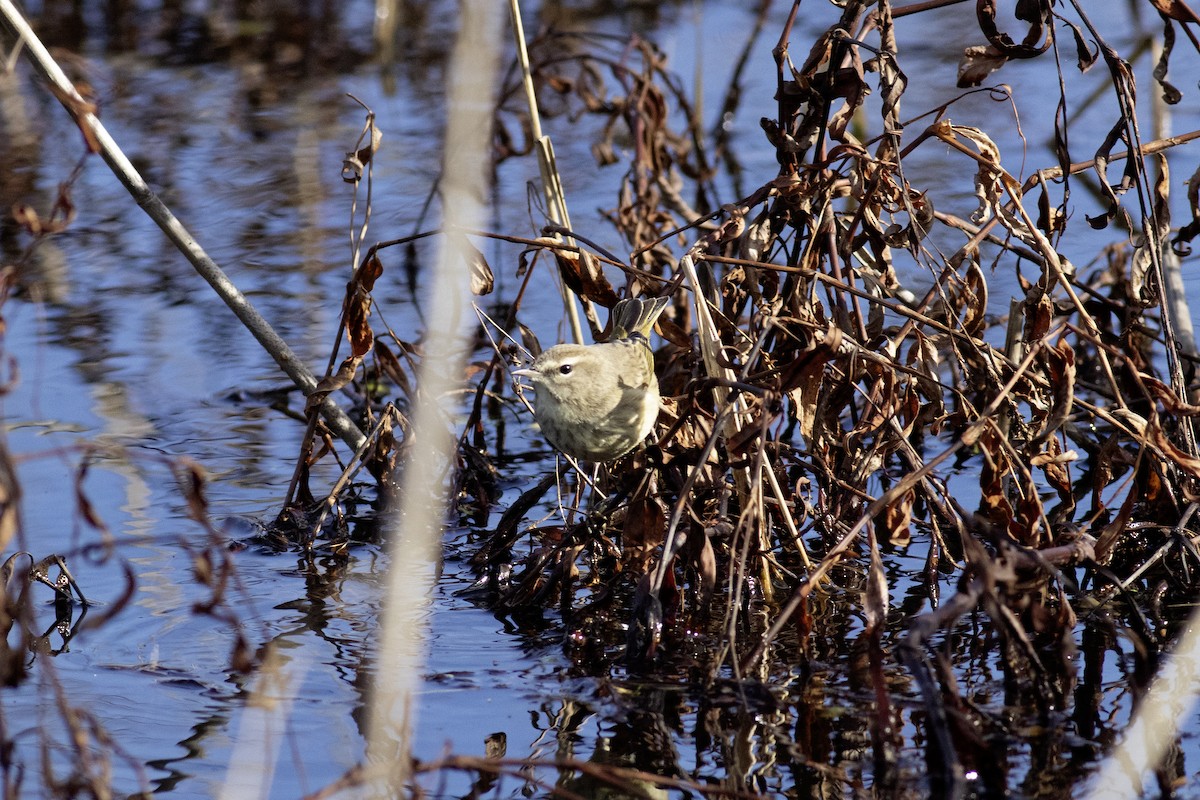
(821, 406)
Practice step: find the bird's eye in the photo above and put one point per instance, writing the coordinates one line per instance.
(565, 369)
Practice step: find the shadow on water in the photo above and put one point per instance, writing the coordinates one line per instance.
(141, 415)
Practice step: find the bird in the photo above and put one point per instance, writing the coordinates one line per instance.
(597, 402)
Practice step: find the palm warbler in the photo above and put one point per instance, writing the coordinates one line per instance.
(598, 402)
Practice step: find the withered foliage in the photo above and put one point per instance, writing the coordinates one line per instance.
(1035, 442)
(860, 361)
(819, 409)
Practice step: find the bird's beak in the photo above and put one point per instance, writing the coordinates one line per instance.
(523, 373)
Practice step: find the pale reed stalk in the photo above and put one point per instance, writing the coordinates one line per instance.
(1165, 709)
(416, 525)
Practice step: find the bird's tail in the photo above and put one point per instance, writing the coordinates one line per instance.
(636, 315)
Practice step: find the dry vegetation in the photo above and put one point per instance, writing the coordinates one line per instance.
(816, 408)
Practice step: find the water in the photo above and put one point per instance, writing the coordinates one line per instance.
(129, 364)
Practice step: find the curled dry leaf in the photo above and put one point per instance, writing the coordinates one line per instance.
(897, 521)
(1037, 41)
(1117, 133)
(673, 333)
(1147, 252)
(358, 307)
(1171, 403)
(1037, 318)
(1050, 220)
(1085, 55)
(1156, 436)
(1060, 363)
(645, 525)
(1177, 10)
(583, 274)
(1053, 463)
(392, 367)
(355, 162)
(924, 358)
(1182, 241)
(974, 299)
(802, 378)
(356, 310)
(60, 218)
(883, 401)
(977, 63)
(1170, 94)
(989, 184)
(331, 383)
(483, 280)
(848, 83)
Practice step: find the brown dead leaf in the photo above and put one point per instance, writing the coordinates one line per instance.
(392, 368)
(977, 63)
(331, 383)
(1117, 133)
(848, 83)
(801, 381)
(1171, 403)
(1146, 253)
(994, 505)
(644, 531)
(1181, 244)
(1157, 437)
(59, 219)
(1085, 56)
(897, 519)
(1053, 462)
(1177, 10)
(483, 280)
(1060, 363)
(974, 299)
(1170, 93)
(583, 274)
(1038, 318)
(924, 358)
(673, 333)
(1037, 40)
(358, 307)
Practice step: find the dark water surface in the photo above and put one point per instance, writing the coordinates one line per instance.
(129, 364)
